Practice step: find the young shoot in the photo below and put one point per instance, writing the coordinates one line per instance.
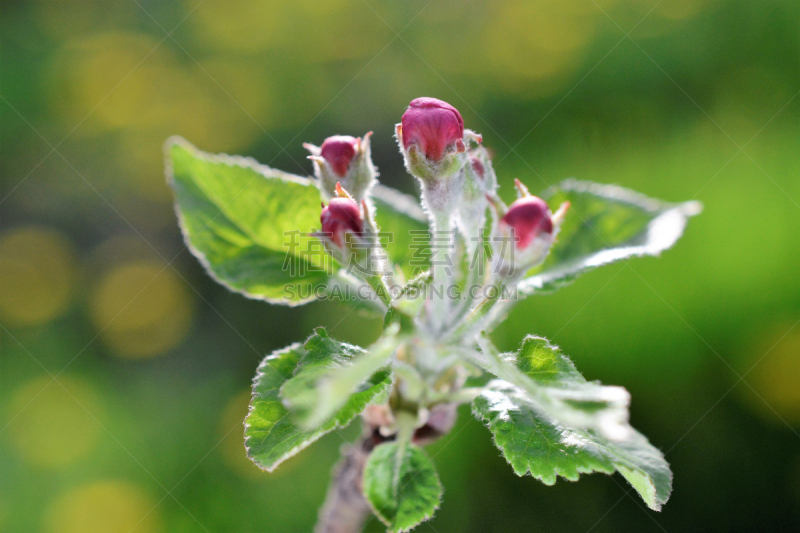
(442, 272)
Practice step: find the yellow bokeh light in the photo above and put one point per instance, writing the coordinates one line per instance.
(142, 309)
(134, 85)
(775, 376)
(239, 24)
(121, 76)
(53, 427)
(104, 507)
(38, 272)
(536, 41)
(317, 31)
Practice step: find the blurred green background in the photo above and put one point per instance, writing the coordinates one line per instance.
(141, 429)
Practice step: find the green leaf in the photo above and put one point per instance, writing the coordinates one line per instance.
(558, 390)
(398, 215)
(237, 217)
(331, 373)
(401, 485)
(536, 443)
(605, 223)
(271, 436)
(549, 421)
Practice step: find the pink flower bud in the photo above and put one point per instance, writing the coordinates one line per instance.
(339, 152)
(529, 217)
(345, 159)
(433, 126)
(339, 216)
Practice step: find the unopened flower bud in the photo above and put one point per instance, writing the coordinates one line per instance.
(433, 126)
(340, 216)
(528, 218)
(526, 232)
(344, 159)
(431, 136)
(339, 151)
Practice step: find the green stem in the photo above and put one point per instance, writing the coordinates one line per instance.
(474, 276)
(378, 284)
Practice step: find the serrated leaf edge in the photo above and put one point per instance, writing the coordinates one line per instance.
(558, 473)
(657, 503)
(306, 443)
(229, 160)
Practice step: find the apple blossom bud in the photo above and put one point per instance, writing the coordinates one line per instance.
(528, 218)
(432, 139)
(340, 216)
(344, 159)
(433, 126)
(525, 233)
(338, 151)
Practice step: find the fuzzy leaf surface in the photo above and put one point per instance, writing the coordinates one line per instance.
(556, 388)
(605, 223)
(271, 436)
(331, 374)
(533, 442)
(237, 217)
(401, 485)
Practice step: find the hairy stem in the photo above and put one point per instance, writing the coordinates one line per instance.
(378, 284)
(345, 510)
(441, 258)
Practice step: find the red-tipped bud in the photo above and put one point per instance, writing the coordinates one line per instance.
(477, 166)
(339, 152)
(341, 215)
(529, 217)
(433, 126)
(345, 159)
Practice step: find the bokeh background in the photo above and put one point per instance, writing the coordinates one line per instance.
(125, 370)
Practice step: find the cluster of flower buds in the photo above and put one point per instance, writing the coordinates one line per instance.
(525, 233)
(458, 184)
(342, 223)
(346, 160)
